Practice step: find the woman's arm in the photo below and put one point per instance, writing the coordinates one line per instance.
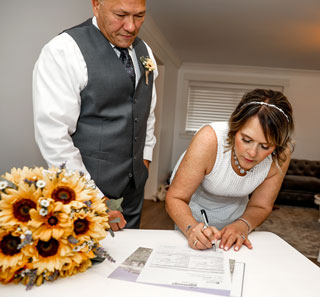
(196, 163)
(258, 209)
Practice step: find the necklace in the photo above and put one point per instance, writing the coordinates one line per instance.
(242, 171)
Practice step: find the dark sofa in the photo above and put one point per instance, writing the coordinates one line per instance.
(300, 184)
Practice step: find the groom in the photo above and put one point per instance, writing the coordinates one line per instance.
(94, 105)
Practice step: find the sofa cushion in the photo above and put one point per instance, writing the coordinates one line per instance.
(296, 198)
(304, 167)
(301, 183)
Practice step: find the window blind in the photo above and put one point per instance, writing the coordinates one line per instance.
(208, 102)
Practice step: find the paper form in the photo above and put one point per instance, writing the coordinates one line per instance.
(183, 266)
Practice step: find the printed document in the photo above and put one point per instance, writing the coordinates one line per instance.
(183, 266)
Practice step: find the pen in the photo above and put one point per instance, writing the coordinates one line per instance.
(205, 218)
(206, 223)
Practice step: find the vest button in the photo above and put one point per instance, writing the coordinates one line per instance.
(136, 120)
(136, 138)
(130, 174)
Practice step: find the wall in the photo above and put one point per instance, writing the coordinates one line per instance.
(301, 87)
(165, 114)
(153, 179)
(25, 27)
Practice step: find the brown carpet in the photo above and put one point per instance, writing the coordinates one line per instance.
(298, 226)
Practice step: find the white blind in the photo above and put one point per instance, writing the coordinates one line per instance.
(208, 102)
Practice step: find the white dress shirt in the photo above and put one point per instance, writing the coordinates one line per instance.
(59, 76)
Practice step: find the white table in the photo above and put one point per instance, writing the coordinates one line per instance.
(273, 268)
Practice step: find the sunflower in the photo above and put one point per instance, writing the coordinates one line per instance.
(12, 257)
(31, 175)
(80, 262)
(51, 255)
(66, 186)
(7, 275)
(49, 220)
(88, 224)
(16, 204)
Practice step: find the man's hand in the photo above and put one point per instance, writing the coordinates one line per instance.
(146, 163)
(113, 214)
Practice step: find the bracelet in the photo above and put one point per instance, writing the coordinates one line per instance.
(246, 222)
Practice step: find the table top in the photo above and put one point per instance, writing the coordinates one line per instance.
(273, 268)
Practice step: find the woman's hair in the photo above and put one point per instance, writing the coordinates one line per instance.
(274, 112)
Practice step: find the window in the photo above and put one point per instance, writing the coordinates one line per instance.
(210, 101)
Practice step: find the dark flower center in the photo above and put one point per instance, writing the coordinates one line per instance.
(9, 245)
(63, 194)
(81, 226)
(21, 209)
(52, 221)
(47, 248)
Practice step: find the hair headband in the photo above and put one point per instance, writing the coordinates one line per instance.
(266, 104)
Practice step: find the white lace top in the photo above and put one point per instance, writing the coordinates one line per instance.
(223, 193)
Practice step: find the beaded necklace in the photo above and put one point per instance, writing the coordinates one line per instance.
(242, 171)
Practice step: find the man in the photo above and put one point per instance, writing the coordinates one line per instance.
(94, 103)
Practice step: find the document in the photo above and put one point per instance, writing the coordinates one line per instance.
(141, 258)
(183, 266)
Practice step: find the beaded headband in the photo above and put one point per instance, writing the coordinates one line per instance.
(266, 104)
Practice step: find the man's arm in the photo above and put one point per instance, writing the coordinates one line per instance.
(59, 75)
(58, 78)
(150, 138)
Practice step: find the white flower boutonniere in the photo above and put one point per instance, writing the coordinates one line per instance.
(148, 65)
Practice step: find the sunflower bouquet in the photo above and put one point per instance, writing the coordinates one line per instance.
(51, 222)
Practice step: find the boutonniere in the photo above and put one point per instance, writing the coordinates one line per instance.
(148, 65)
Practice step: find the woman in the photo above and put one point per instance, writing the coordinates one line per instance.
(224, 164)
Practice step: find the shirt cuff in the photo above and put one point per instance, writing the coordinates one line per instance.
(147, 153)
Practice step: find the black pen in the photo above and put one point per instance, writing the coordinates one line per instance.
(206, 223)
(205, 218)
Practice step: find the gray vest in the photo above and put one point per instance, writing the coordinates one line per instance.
(111, 128)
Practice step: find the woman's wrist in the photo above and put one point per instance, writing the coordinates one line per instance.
(245, 222)
(189, 227)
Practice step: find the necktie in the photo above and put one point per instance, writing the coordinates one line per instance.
(127, 62)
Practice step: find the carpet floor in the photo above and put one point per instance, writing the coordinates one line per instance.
(298, 226)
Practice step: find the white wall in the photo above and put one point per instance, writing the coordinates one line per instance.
(153, 180)
(301, 87)
(165, 105)
(25, 27)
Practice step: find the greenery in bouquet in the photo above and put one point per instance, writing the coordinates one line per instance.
(51, 222)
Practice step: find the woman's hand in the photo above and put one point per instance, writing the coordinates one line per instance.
(201, 237)
(235, 234)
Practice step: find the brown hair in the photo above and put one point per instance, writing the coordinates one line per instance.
(275, 118)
